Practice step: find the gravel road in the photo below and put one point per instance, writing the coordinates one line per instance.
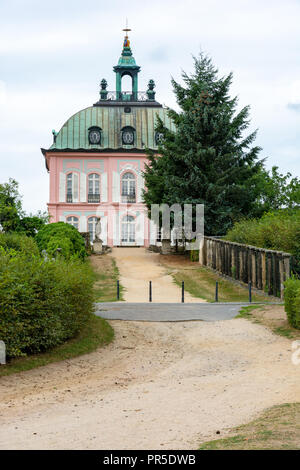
(158, 386)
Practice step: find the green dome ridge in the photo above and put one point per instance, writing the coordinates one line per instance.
(74, 134)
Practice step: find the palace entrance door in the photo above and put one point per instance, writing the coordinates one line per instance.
(128, 231)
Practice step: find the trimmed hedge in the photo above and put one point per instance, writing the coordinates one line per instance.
(42, 302)
(292, 301)
(63, 236)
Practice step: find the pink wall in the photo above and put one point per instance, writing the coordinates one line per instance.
(109, 164)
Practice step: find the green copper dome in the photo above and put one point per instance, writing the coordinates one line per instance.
(74, 134)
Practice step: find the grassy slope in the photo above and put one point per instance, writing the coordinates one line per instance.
(106, 276)
(273, 317)
(277, 429)
(201, 282)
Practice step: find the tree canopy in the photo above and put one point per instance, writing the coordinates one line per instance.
(208, 159)
(275, 191)
(12, 216)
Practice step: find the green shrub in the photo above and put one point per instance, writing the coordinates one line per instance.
(19, 243)
(292, 301)
(60, 243)
(42, 303)
(64, 236)
(275, 231)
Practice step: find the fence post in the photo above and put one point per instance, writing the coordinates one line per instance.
(182, 292)
(250, 291)
(263, 270)
(281, 276)
(217, 292)
(269, 273)
(150, 291)
(118, 290)
(253, 268)
(241, 262)
(201, 252)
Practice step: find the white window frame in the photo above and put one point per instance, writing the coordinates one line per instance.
(94, 181)
(72, 187)
(73, 220)
(94, 188)
(128, 234)
(128, 187)
(92, 221)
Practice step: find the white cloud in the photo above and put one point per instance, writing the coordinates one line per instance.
(11, 44)
(293, 95)
(3, 93)
(54, 55)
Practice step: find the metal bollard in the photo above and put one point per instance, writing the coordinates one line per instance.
(150, 291)
(118, 290)
(217, 292)
(250, 291)
(182, 292)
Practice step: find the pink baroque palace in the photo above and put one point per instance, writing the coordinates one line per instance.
(97, 159)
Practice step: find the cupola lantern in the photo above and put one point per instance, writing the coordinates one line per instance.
(127, 66)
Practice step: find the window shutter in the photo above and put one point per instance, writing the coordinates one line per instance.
(75, 187)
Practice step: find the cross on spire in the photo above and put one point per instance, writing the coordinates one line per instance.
(126, 29)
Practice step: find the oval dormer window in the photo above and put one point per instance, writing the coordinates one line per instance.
(95, 135)
(128, 136)
(159, 138)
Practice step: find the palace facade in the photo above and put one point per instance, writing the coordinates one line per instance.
(97, 159)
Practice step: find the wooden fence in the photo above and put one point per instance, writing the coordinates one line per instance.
(265, 269)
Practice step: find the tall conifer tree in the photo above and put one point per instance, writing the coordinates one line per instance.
(208, 160)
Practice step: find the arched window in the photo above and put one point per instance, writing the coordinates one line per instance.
(128, 187)
(128, 135)
(128, 229)
(73, 221)
(127, 84)
(93, 188)
(72, 187)
(92, 222)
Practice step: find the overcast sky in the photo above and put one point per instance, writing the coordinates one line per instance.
(53, 55)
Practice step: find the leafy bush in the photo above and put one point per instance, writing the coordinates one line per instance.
(276, 231)
(42, 303)
(31, 224)
(64, 245)
(292, 301)
(64, 236)
(19, 243)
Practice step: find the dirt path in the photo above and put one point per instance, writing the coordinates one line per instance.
(137, 267)
(158, 386)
